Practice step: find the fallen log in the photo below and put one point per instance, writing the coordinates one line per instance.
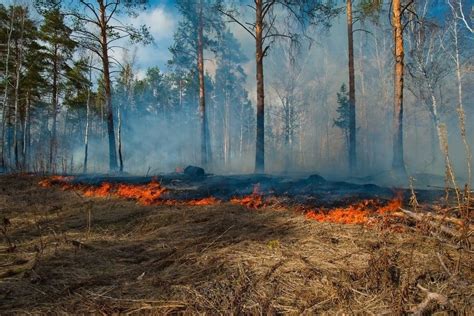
(441, 218)
(422, 217)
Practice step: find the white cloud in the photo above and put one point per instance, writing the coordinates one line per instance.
(161, 22)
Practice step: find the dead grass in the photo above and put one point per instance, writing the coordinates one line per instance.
(79, 255)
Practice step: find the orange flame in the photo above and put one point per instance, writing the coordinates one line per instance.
(146, 194)
(253, 201)
(151, 193)
(359, 213)
(49, 182)
(393, 205)
(204, 202)
(103, 190)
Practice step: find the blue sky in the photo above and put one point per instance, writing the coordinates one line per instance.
(161, 17)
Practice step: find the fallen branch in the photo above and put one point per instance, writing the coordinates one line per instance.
(441, 218)
(441, 262)
(422, 218)
(80, 245)
(430, 297)
(218, 237)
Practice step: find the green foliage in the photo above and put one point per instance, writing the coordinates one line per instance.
(343, 109)
(58, 47)
(369, 9)
(184, 48)
(23, 43)
(77, 85)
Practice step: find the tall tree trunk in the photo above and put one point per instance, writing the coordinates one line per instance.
(54, 101)
(241, 131)
(434, 112)
(202, 91)
(226, 132)
(260, 142)
(363, 104)
(108, 88)
(119, 138)
(17, 93)
(86, 134)
(352, 101)
(461, 115)
(26, 133)
(5, 96)
(398, 160)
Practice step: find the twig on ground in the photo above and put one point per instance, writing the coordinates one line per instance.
(218, 237)
(430, 297)
(443, 264)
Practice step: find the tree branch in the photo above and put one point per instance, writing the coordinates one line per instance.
(236, 21)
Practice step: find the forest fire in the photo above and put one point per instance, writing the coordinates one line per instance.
(205, 157)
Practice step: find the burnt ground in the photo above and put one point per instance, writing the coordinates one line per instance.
(310, 191)
(91, 255)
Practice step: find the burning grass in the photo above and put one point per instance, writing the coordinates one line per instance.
(361, 212)
(144, 194)
(364, 212)
(112, 255)
(252, 201)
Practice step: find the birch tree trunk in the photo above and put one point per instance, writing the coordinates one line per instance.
(86, 134)
(26, 134)
(119, 137)
(461, 115)
(5, 111)
(366, 149)
(226, 133)
(17, 93)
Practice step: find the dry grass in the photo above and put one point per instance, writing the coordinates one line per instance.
(81, 255)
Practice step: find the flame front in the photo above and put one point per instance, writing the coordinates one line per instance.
(49, 182)
(253, 201)
(104, 190)
(146, 194)
(363, 212)
(360, 213)
(204, 202)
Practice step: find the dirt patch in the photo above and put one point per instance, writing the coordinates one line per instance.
(72, 254)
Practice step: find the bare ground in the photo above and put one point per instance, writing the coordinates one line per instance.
(79, 255)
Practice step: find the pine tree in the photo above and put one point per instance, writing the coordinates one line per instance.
(59, 47)
(261, 26)
(193, 37)
(343, 120)
(21, 36)
(97, 28)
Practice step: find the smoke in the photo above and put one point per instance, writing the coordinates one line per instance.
(162, 132)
